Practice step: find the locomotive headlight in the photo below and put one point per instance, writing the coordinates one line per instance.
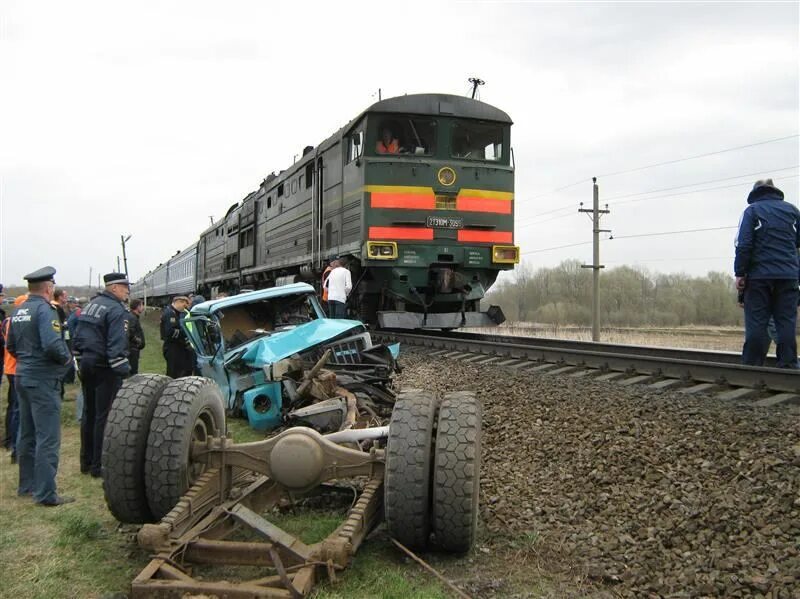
(505, 254)
(382, 250)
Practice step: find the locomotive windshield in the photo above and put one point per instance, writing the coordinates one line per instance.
(474, 140)
(406, 135)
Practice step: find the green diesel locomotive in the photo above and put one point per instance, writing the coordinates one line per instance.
(416, 193)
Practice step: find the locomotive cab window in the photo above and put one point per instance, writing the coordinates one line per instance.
(477, 141)
(405, 135)
(355, 146)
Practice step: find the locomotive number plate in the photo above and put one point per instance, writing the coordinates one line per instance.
(445, 222)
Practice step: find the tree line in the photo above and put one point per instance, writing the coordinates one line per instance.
(629, 296)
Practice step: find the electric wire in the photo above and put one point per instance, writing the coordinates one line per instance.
(613, 238)
(638, 193)
(610, 202)
(558, 247)
(714, 153)
(683, 193)
(637, 261)
(675, 161)
(661, 233)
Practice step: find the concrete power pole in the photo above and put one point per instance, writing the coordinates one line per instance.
(595, 265)
(124, 240)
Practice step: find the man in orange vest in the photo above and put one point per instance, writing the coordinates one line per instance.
(388, 143)
(324, 287)
(12, 409)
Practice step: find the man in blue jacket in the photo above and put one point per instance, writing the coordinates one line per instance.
(766, 268)
(35, 338)
(101, 339)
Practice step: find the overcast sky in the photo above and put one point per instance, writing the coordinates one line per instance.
(146, 118)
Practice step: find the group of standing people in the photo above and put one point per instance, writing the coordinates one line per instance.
(48, 337)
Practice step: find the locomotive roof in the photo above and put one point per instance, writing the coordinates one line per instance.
(444, 104)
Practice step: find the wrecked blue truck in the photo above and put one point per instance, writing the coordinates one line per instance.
(278, 360)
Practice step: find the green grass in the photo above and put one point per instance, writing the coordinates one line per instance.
(80, 551)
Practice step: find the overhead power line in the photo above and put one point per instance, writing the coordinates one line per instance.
(714, 153)
(528, 221)
(666, 162)
(558, 247)
(639, 193)
(613, 238)
(683, 193)
(671, 232)
(694, 258)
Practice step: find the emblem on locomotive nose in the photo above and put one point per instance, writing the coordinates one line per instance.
(446, 176)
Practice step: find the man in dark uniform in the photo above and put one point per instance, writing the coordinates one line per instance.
(177, 352)
(135, 334)
(766, 269)
(101, 340)
(35, 338)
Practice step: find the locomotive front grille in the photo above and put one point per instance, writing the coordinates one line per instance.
(445, 202)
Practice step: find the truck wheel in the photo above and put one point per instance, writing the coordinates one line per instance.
(189, 410)
(124, 446)
(407, 494)
(456, 472)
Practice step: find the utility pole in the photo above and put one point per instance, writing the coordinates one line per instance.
(595, 265)
(118, 265)
(124, 255)
(475, 83)
(90, 277)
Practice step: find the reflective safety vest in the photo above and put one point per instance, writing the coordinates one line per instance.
(324, 286)
(392, 148)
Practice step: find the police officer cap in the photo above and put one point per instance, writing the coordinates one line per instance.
(115, 278)
(43, 274)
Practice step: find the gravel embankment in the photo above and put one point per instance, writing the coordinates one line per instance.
(649, 494)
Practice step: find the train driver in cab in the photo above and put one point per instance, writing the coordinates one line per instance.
(388, 143)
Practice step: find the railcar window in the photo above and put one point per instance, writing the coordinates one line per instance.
(309, 174)
(477, 141)
(406, 135)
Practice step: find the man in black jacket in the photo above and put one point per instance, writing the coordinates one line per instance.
(177, 353)
(101, 340)
(135, 334)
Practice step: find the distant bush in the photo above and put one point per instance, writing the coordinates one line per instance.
(628, 297)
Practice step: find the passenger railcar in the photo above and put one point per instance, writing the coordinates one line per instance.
(176, 276)
(416, 192)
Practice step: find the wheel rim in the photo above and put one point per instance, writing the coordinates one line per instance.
(203, 428)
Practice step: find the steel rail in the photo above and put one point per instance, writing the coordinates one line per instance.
(699, 355)
(690, 365)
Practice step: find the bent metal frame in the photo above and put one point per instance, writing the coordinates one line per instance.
(241, 481)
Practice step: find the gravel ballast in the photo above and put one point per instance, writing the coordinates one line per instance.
(644, 493)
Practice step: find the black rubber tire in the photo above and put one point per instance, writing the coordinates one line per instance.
(456, 472)
(189, 409)
(125, 445)
(407, 482)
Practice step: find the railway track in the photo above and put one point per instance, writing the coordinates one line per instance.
(687, 371)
